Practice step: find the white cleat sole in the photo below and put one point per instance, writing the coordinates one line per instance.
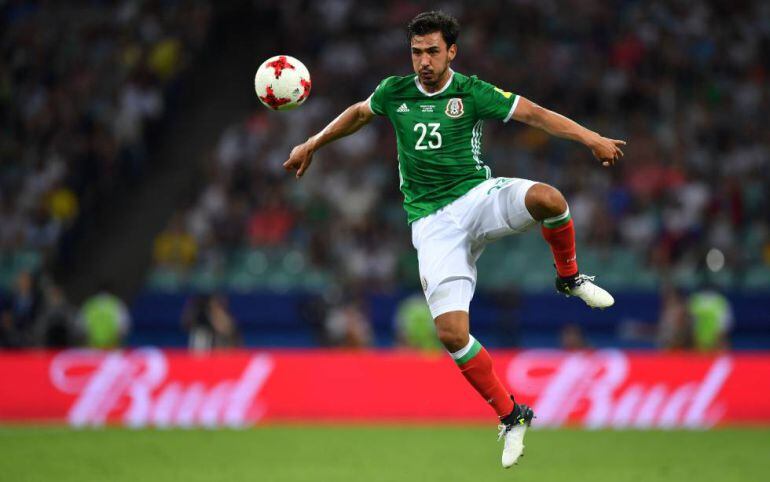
(602, 301)
(602, 306)
(513, 449)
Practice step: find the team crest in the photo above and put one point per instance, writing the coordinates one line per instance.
(454, 108)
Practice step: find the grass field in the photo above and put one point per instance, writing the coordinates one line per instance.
(378, 453)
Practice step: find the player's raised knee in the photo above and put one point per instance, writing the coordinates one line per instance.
(544, 201)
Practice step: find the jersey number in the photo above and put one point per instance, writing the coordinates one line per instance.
(434, 141)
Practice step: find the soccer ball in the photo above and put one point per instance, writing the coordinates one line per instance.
(282, 82)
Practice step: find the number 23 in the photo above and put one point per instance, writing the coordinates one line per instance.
(434, 141)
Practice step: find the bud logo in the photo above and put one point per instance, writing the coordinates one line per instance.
(598, 388)
(594, 389)
(135, 388)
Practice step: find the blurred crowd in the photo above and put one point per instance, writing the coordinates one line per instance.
(684, 82)
(38, 314)
(81, 86)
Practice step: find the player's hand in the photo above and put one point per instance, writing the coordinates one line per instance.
(299, 159)
(607, 150)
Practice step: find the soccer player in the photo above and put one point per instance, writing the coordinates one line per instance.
(455, 206)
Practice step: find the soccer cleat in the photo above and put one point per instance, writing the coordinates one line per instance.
(512, 431)
(583, 287)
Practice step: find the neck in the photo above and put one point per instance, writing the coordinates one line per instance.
(438, 85)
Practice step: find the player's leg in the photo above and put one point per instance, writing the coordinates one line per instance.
(447, 251)
(449, 304)
(473, 360)
(548, 206)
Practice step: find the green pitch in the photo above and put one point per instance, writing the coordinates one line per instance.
(378, 453)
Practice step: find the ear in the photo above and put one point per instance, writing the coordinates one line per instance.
(452, 51)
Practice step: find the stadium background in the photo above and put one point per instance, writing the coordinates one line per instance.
(135, 160)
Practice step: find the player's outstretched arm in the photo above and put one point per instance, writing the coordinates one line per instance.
(353, 118)
(604, 149)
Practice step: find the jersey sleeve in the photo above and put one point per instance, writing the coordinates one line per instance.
(492, 102)
(379, 97)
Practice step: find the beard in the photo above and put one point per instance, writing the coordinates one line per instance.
(431, 78)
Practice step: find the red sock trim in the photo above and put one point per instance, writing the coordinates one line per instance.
(562, 242)
(481, 375)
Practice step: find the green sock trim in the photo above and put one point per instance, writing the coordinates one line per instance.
(551, 223)
(475, 349)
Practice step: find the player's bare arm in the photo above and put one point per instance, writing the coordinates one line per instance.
(353, 118)
(604, 149)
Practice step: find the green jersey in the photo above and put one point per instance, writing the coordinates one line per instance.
(439, 136)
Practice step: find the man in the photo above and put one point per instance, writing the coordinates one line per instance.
(105, 320)
(454, 205)
(712, 318)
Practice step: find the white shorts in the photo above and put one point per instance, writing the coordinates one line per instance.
(450, 241)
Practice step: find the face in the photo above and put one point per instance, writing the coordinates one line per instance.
(431, 57)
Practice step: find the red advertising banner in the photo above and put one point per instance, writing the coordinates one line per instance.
(151, 387)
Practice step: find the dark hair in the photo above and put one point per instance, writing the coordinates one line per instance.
(434, 21)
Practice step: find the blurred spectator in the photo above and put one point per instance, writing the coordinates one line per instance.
(209, 323)
(414, 324)
(271, 223)
(175, 248)
(27, 303)
(104, 320)
(57, 326)
(13, 223)
(63, 205)
(37, 314)
(712, 319)
(674, 324)
(312, 311)
(572, 338)
(348, 326)
(9, 337)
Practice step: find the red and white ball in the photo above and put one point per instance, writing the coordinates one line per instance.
(282, 82)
